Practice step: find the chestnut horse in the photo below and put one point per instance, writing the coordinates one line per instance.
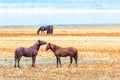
(63, 52)
(28, 52)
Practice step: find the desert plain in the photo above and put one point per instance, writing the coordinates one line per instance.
(98, 53)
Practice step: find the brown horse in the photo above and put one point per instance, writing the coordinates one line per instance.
(42, 29)
(28, 52)
(63, 52)
(48, 28)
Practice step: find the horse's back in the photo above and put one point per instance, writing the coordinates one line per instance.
(67, 51)
(30, 50)
(19, 49)
(50, 26)
(73, 50)
(27, 52)
(43, 28)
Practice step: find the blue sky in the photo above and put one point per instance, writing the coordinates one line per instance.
(44, 12)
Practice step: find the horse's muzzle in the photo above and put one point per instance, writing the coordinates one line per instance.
(46, 49)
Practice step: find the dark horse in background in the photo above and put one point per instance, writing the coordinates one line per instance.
(63, 52)
(42, 29)
(28, 52)
(48, 28)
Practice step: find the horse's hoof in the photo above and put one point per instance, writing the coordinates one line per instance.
(18, 66)
(33, 65)
(14, 66)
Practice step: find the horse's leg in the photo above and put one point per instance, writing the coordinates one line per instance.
(33, 61)
(51, 31)
(59, 61)
(41, 32)
(15, 57)
(76, 58)
(47, 32)
(71, 60)
(15, 63)
(19, 61)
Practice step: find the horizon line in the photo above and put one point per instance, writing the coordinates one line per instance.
(59, 25)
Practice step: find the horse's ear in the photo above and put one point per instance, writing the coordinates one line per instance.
(48, 43)
(38, 40)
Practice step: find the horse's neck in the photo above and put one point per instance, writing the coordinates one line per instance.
(36, 47)
(54, 48)
(38, 30)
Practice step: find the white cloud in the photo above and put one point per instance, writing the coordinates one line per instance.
(47, 11)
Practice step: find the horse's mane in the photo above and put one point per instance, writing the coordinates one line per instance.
(34, 46)
(55, 46)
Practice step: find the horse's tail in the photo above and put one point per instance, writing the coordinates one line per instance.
(76, 57)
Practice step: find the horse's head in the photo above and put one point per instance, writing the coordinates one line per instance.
(40, 42)
(38, 31)
(47, 47)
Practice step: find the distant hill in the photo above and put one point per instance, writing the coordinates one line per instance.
(68, 25)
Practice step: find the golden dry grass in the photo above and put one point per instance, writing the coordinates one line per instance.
(98, 48)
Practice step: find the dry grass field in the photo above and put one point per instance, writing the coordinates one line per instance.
(98, 47)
